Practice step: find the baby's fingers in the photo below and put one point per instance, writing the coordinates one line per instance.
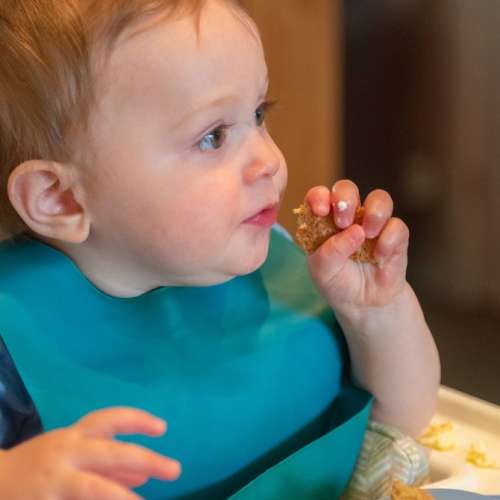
(318, 198)
(331, 257)
(83, 486)
(109, 422)
(112, 458)
(345, 201)
(378, 210)
(128, 479)
(392, 242)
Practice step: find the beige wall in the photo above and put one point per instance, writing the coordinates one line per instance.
(302, 42)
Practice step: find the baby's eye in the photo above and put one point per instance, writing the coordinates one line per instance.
(261, 112)
(214, 139)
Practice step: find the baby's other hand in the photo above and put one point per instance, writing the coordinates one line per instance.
(83, 461)
(347, 284)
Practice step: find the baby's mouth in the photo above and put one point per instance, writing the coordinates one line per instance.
(266, 217)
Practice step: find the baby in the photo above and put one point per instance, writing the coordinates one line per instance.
(145, 273)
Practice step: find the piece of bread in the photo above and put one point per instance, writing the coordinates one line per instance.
(401, 491)
(313, 230)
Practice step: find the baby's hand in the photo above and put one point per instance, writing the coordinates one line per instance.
(347, 284)
(84, 462)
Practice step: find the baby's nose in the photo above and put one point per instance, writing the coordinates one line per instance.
(265, 160)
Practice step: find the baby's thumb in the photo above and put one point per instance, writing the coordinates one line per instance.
(332, 256)
(108, 422)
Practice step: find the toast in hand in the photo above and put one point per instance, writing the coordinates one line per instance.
(313, 230)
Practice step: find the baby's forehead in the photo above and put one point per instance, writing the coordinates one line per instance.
(164, 50)
(111, 28)
(173, 67)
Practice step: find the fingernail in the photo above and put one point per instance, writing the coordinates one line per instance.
(380, 262)
(369, 233)
(323, 209)
(341, 208)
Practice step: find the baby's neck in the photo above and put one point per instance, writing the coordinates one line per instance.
(107, 274)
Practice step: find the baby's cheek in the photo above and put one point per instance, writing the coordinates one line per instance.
(195, 231)
(282, 175)
(204, 213)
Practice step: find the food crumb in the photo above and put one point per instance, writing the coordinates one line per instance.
(401, 491)
(342, 206)
(438, 437)
(477, 456)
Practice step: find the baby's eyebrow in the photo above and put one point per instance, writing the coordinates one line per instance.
(219, 102)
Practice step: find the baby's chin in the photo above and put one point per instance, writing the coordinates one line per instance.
(242, 266)
(251, 268)
(242, 269)
(240, 259)
(254, 260)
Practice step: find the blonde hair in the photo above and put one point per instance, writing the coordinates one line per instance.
(46, 83)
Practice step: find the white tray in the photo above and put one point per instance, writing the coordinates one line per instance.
(474, 420)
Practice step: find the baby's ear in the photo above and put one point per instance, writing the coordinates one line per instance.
(44, 195)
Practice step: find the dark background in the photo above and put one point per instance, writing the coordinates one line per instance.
(421, 119)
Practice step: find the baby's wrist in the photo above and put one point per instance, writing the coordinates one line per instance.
(376, 319)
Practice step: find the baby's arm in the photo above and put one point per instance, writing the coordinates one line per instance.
(394, 357)
(84, 461)
(393, 354)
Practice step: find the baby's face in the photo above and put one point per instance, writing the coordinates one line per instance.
(186, 179)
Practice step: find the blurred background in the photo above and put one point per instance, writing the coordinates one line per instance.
(402, 95)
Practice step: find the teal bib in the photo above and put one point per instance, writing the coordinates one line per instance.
(250, 374)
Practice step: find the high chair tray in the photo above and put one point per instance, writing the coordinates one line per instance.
(442, 494)
(474, 421)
